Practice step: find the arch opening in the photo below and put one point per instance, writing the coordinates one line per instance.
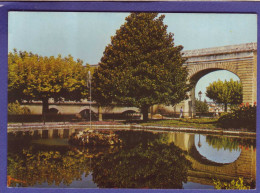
(201, 81)
(131, 114)
(215, 150)
(85, 114)
(53, 111)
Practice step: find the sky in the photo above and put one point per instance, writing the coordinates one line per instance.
(85, 35)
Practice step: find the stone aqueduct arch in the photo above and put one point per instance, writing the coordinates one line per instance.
(239, 59)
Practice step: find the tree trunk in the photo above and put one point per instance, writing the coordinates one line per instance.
(145, 113)
(45, 106)
(225, 107)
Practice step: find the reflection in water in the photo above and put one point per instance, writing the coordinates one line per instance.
(143, 166)
(145, 160)
(220, 153)
(229, 143)
(41, 166)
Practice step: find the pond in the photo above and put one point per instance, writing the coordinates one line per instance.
(144, 159)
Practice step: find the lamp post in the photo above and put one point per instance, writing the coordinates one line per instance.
(199, 144)
(200, 93)
(89, 81)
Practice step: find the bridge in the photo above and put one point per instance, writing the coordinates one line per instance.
(239, 59)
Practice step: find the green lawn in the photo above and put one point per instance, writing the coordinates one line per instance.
(203, 123)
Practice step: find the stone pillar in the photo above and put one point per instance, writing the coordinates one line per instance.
(71, 131)
(100, 118)
(185, 107)
(255, 78)
(40, 132)
(61, 133)
(192, 105)
(50, 133)
(189, 105)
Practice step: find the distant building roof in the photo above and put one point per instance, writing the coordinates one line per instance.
(93, 65)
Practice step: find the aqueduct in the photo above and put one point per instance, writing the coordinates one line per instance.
(239, 59)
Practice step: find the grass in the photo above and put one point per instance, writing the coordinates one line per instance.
(203, 123)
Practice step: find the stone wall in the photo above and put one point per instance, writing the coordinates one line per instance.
(239, 59)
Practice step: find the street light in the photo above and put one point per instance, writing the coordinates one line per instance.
(200, 93)
(89, 81)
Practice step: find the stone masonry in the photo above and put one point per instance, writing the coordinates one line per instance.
(239, 59)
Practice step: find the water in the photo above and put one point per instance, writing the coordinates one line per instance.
(145, 159)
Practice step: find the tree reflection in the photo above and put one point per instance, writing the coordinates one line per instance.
(144, 166)
(46, 166)
(144, 160)
(229, 143)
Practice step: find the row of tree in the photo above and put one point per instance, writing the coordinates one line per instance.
(33, 77)
(141, 67)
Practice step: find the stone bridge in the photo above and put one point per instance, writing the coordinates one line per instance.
(239, 59)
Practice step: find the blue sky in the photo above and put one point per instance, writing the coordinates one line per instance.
(85, 35)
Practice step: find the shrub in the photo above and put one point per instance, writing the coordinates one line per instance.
(201, 107)
(16, 109)
(242, 117)
(233, 185)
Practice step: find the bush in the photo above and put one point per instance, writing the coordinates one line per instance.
(242, 117)
(201, 107)
(16, 109)
(233, 185)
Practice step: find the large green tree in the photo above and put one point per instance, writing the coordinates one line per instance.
(141, 66)
(227, 92)
(33, 77)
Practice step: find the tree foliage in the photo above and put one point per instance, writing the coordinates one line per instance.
(242, 117)
(146, 160)
(201, 107)
(33, 77)
(53, 167)
(141, 66)
(233, 185)
(16, 109)
(227, 92)
(220, 142)
(156, 166)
